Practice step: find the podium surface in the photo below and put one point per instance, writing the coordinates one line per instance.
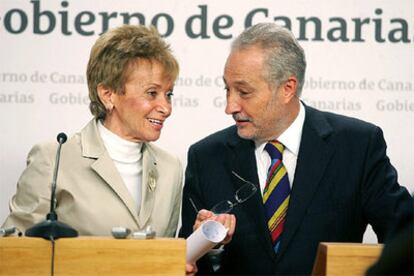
(92, 256)
(345, 258)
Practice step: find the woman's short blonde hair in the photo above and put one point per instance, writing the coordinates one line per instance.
(114, 52)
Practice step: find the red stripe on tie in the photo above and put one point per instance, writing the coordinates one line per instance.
(275, 166)
(278, 231)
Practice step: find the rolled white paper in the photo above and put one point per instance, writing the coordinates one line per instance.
(208, 235)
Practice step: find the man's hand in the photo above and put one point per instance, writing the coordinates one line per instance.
(229, 222)
(190, 269)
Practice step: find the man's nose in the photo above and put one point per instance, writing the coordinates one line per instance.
(232, 104)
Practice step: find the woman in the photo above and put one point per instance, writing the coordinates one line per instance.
(110, 174)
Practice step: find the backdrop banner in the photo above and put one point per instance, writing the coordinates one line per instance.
(359, 55)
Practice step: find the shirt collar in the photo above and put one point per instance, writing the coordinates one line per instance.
(118, 148)
(292, 136)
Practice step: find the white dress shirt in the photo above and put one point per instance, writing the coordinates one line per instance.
(290, 138)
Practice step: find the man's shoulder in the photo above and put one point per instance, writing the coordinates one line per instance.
(339, 122)
(220, 137)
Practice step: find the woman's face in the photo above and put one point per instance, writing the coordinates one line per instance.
(139, 113)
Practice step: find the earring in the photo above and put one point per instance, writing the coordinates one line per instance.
(109, 107)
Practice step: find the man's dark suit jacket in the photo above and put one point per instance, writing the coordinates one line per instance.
(343, 181)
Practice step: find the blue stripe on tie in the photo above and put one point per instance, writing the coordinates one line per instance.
(273, 162)
(273, 152)
(277, 196)
(277, 246)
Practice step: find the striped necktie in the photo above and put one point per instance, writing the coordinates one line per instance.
(276, 193)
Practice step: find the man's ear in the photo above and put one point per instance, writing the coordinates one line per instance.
(290, 87)
(105, 95)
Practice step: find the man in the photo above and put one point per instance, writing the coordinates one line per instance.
(329, 174)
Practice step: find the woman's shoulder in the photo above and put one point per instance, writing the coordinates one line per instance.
(160, 154)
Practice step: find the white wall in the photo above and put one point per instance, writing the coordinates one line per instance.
(366, 73)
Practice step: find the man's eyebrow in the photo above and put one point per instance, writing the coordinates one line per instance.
(238, 82)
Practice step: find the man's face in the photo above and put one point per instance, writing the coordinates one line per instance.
(260, 110)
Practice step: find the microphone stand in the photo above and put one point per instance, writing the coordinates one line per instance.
(51, 228)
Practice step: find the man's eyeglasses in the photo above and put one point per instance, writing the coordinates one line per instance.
(241, 195)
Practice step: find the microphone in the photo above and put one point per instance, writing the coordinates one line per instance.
(61, 138)
(51, 228)
(4, 232)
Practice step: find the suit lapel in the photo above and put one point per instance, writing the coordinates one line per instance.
(315, 153)
(244, 164)
(92, 147)
(149, 184)
(105, 168)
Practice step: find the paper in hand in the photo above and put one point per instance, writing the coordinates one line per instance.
(208, 235)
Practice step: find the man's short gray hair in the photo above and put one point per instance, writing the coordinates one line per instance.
(284, 56)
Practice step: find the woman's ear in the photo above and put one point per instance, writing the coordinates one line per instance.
(105, 95)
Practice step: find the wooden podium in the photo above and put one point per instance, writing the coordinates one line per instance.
(92, 256)
(345, 258)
